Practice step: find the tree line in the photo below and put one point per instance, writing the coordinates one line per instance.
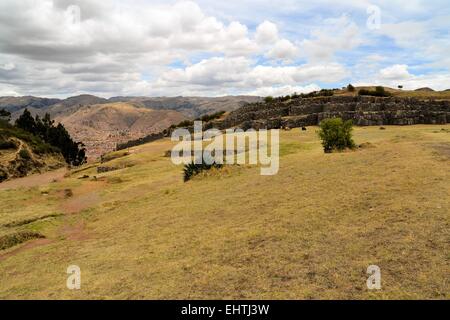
(56, 135)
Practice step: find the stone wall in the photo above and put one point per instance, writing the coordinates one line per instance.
(364, 111)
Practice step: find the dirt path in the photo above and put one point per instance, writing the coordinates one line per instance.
(10, 156)
(34, 180)
(27, 246)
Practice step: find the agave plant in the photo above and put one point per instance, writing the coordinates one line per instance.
(191, 169)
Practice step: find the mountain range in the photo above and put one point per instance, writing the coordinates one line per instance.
(102, 123)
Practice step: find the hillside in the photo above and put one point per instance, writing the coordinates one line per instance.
(308, 232)
(102, 126)
(22, 154)
(191, 107)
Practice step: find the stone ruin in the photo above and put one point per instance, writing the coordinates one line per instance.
(363, 110)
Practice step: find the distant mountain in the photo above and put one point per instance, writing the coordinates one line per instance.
(191, 107)
(16, 104)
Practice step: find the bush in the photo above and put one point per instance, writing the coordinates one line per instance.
(336, 134)
(3, 175)
(209, 117)
(11, 240)
(25, 154)
(378, 92)
(268, 99)
(192, 169)
(350, 88)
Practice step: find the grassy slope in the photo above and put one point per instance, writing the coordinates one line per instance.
(42, 156)
(308, 232)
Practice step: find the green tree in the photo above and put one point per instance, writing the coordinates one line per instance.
(336, 134)
(5, 115)
(26, 122)
(268, 99)
(73, 152)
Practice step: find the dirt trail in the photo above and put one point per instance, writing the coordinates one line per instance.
(10, 156)
(28, 245)
(34, 180)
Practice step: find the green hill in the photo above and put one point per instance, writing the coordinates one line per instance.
(22, 153)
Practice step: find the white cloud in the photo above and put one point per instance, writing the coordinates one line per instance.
(283, 50)
(266, 33)
(284, 90)
(156, 47)
(8, 66)
(334, 35)
(240, 75)
(395, 72)
(396, 75)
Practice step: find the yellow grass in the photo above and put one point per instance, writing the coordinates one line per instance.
(309, 232)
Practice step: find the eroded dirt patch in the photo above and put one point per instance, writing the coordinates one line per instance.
(441, 149)
(83, 197)
(34, 180)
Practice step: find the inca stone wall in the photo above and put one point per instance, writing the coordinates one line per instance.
(364, 111)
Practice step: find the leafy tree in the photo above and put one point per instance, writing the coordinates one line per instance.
(336, 134)
(380, 91)
(350, 88)
(5, 115)
(268, 99)
(26, 122)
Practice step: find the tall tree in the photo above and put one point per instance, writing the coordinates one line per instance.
(26, 122)
(5, 115)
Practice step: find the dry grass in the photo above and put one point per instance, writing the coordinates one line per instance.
(309, 232)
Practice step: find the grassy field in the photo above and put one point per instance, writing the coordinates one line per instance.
(309, 232)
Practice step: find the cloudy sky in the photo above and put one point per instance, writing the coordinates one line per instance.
(59, 48)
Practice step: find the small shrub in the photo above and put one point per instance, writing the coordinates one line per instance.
(68, 193)
(25, 154)
(378, 92)
(3, 175)
(192, 169)
(336, 134)
(268, 99)
(350, 88)
(209, 117)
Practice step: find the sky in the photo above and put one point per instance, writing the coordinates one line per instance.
(61, 48)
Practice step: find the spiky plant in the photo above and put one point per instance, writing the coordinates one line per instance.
(191, 169)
